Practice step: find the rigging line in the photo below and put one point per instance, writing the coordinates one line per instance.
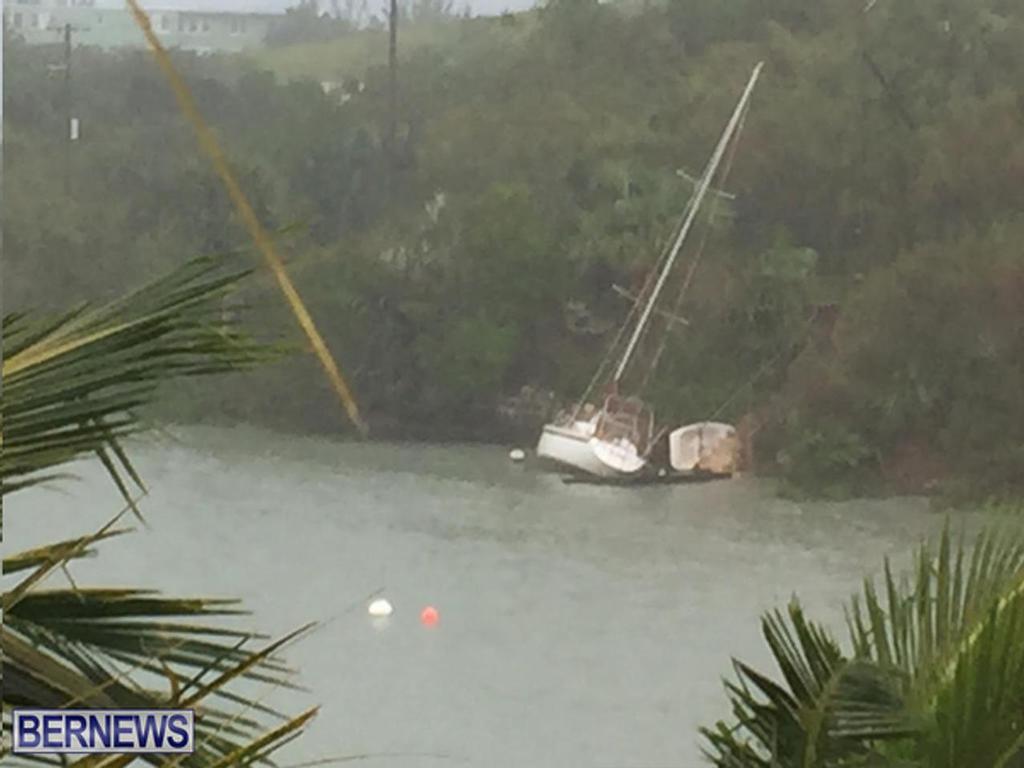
(648, 286)
(699, 252)
(645, 289)
(720, 148)
(209, 144)
(603, 366)
(637, 303)
(802, 342)
(695, 261)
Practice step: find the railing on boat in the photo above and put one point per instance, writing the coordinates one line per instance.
(626, 418)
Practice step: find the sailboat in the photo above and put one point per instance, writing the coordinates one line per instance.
(616, 439)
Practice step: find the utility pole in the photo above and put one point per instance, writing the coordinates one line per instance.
(69, 126)
(392, 135)
(70, 121)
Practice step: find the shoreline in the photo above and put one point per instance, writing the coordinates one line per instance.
(945, 493)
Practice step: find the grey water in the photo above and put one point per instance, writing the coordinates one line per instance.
(580, 625)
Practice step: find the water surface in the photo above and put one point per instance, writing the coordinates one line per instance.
(581, 626)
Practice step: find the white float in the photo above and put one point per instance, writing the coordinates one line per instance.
(517, 454)
(380, 608)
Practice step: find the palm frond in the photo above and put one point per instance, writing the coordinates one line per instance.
(60, 551)
(48, 675)
(978, 709)
(923, 626)
(826, 711)
(934, 679)
(112, 647)
(72, 382)
(59, 558)
(261, 748)
(71, 387)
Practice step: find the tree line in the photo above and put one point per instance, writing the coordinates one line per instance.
(860, 288)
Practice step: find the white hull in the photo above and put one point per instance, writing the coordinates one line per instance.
(573, 447)
(709, 446)
(621, 456)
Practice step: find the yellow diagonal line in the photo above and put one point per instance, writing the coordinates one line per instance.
(208, 142)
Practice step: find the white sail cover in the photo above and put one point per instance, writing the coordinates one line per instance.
(708, 445)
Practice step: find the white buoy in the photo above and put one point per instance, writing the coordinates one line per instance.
(380, 608)
(517, 454)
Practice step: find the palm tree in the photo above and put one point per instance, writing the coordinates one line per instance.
(933, 675)
(72, 385)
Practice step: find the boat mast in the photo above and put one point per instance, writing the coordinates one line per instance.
(705, 182)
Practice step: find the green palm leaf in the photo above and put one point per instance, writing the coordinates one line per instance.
(980, 715)
(60, 551)
(71, 387)
(71, 383)
(824, 713)
(118, 647)
(934, 678)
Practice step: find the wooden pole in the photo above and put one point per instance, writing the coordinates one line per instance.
(392, 134)
(67, 108)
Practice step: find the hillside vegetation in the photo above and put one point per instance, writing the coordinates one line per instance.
(860, 299)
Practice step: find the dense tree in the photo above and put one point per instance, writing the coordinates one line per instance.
(544, 160)
(306, 23)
